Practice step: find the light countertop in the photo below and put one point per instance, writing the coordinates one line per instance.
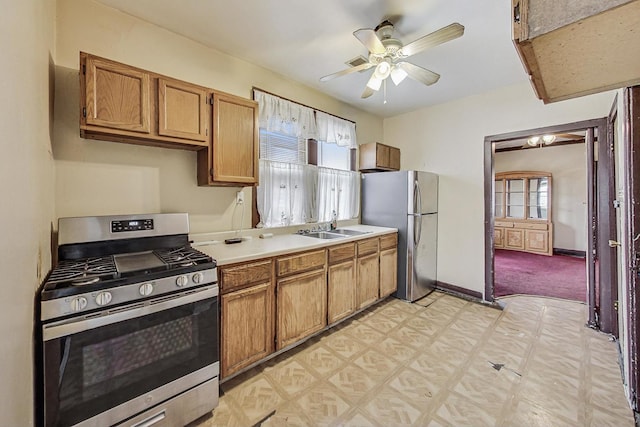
(253, 247)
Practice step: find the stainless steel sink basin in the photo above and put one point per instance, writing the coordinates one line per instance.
(323, 235)
(349, 232)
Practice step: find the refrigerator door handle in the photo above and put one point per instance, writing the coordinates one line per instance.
(418, 209)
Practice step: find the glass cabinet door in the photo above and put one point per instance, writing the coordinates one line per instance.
(515, 198)
(538, 198)
(499, 199)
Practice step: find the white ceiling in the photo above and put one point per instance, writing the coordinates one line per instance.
(305, 40)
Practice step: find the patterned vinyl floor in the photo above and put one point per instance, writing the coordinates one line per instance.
(442, 362)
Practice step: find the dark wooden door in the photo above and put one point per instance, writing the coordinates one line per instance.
(606, 233)
(632, 252)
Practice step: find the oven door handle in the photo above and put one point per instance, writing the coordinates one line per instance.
(68, 327)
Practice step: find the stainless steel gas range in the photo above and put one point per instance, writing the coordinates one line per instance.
(129, 324)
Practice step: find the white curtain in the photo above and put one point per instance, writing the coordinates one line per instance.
(339, 192)
(286, 194)
(279, 115)
(334, 130)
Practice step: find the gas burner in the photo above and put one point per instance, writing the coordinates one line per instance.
(85, 281)
(84, 271)
(184, 256)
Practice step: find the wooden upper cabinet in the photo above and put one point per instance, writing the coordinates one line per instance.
(235, 140)
(122, 103)
(182, 110)
(379, 157)
(116, 96)
(575, 48)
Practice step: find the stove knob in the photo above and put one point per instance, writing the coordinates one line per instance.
(181, 281)
(78, 303)
(103, 298)
(146, 289)
(197, 278)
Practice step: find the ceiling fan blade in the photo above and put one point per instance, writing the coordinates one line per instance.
(367, 92)
(370, 40)
(420, 74)
(440, 36)
(360, 67)
(569, 136)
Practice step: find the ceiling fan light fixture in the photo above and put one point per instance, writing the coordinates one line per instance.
(374, 83)
(548, 139)
(398, 74)
(383, 69)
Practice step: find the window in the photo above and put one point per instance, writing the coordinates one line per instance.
(282, 148)
(334, 156)
(291, 191)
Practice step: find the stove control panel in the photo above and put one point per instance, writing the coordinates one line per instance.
(116, 296)
(131, 225)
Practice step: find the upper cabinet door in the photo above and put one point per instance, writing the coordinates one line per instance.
(182, 110)
(235, 139)
(117, 96)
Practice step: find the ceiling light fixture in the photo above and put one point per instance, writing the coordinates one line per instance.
(544, 139)
(398, 74)
(533, 141)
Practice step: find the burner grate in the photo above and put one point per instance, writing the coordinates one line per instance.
(184, 256)
(85, 271)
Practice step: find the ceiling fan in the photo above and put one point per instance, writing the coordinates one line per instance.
(388, 54)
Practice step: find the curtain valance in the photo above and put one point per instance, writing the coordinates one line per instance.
(286, 117)
(335, 130)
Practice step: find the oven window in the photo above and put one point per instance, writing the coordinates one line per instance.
(101, 368)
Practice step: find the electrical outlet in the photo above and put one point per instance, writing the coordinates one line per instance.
(239, 197)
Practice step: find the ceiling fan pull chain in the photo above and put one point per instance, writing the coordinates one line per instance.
(384, 89)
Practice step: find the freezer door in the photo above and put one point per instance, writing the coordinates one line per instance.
(423, 192)
(421, 255)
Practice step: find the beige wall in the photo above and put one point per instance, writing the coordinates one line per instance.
(27, 34)
(568, 165)
(448, 139)
(98, 178)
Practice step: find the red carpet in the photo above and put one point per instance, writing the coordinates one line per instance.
(557, 276)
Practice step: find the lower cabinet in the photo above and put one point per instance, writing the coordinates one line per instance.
(514, 238)
(498, 237)
(367, 272)
(272, 303)
(536, 241)
(302, 306)
(341, 282)
(247, 327)
(388, 272)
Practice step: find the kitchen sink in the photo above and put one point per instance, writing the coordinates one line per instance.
(349, 232)
(323, 235)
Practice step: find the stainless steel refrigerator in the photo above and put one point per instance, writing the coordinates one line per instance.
(408, 201)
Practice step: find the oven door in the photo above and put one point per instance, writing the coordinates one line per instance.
(103, 368)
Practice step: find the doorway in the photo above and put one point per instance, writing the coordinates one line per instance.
(600, 218)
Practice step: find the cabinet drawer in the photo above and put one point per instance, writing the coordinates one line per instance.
(505, 224)
(241, 275)
(299, 263)
(533, 226)
(388, 241)
(367, 246)
(342, 253)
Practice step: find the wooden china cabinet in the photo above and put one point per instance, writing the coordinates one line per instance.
(522, 212)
